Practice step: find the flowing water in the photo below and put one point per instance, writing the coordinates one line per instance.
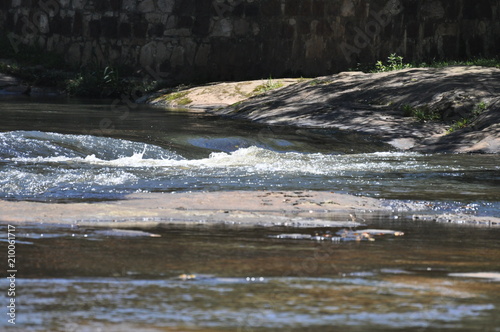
(80, 279)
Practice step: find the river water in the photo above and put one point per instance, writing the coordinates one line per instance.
(80, 279)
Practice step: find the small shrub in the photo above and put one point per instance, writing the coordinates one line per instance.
(394, 62)
(480, 108)
(96, 82)
(462, 123)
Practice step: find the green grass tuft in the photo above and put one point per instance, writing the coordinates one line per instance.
(465, 122)
(268, 86)
(421, 113)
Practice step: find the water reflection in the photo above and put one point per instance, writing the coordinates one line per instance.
(241, 279)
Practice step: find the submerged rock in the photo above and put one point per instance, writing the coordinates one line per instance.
(125, 233)
(343, 235)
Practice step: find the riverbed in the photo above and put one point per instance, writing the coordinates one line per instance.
(212, 277)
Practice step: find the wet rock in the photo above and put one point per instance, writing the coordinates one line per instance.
(16, 90)
(187, 277)
(495, 276)
(125, 233)
(149, 210)
(343, 235)
(462, 219)
(10, 85)
(379, 232)
(292, 236)
(7, 81)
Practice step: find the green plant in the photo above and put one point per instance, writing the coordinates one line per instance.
(462, 123)
(407, 110)
(484, 62)
(178, 98)
(480, 108)
(394, 62)
(314, 82)
(466, 121)
(94, 81)
(421, 113)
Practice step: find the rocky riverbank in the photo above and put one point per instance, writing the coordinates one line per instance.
(452, 109)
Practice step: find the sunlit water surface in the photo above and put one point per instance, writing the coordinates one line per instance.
(74, 279)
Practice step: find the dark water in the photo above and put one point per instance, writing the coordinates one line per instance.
(79, 279)
(243, 280)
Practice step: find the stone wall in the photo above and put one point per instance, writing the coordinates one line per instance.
(212, 40)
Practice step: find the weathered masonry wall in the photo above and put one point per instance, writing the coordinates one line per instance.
(211, 40)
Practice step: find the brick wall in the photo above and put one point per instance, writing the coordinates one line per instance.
(212, 40)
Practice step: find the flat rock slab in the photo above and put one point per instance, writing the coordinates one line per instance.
(301, 209)
(238, 208)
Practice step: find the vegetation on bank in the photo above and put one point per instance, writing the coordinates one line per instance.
(41, 68)
(425, 113)
(395, 62)
(467, 121)
(32, 65)
(267, 86)
(179, 98)
(421, 113)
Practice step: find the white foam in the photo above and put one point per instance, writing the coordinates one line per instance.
(253, 159)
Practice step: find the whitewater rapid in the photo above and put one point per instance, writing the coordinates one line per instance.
(44, 165)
